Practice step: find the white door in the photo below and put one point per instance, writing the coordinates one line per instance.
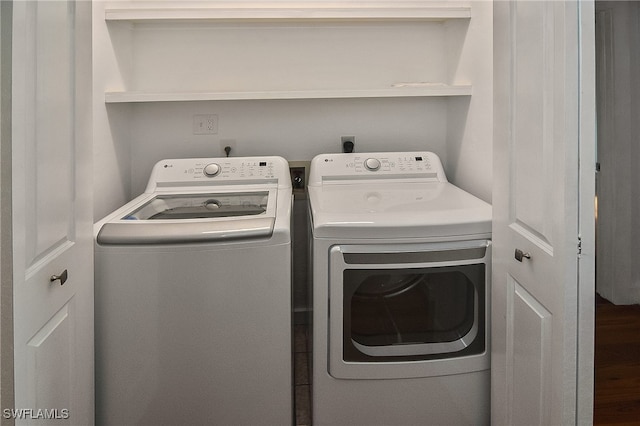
(542, 295)
(52, 212)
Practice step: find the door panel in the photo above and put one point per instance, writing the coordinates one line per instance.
(537, 143)
(529, 344)
(532, 120)
(52, 210)
(51, 349)
(52, 173)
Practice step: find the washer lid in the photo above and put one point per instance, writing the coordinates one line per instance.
(397, 210)
(201, 206)
(170, 218)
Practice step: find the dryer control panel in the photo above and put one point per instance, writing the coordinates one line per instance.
(387, 165)
(219, 171)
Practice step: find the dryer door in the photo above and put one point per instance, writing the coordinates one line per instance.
(408, 310)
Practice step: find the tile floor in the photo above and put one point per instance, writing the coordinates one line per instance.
(302, 374)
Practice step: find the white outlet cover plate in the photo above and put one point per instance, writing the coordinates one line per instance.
(205, 124)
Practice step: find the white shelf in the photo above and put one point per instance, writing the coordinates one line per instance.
(406, 90)
(158, 44)
(284, 11)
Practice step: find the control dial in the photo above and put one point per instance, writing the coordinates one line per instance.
(212, 169)
(372, 164)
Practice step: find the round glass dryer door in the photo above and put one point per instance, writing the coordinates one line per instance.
(411, 312)
(423, 303)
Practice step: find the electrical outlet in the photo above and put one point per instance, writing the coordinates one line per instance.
(231, 143)
(347, 143)
(299, 171)
(205, 124)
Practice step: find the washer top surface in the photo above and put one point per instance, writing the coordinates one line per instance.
(390, 195)
(203, 200)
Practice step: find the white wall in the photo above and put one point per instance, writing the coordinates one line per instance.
(294, 129)
(111, 150)
(618, 233)
(469, 159)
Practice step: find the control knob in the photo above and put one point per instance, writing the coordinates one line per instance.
(372, 164)
(212, 169)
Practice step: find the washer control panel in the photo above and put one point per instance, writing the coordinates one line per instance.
(382, 162)
(425, 165)
(216, 171)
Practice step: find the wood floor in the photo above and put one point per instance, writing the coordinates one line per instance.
(617, 364)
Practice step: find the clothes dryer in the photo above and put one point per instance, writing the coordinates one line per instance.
(193, 297)
(401, 290)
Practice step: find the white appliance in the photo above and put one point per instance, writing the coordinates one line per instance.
(193, 297)
(401, 282)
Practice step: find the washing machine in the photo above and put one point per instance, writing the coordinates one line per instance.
(401, 291)
(193, 297)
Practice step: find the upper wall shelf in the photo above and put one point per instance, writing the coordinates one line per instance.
(284, 11)
(401, 91)
(280, 58)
